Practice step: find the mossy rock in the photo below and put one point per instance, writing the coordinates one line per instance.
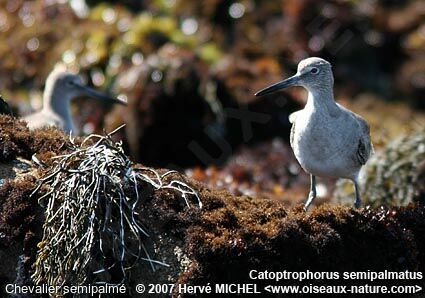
(394, 176)
(228, 237)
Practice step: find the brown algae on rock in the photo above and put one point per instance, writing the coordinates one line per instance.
(221, 242)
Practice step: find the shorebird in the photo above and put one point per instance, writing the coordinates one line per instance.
(62, 87)
(328, 140)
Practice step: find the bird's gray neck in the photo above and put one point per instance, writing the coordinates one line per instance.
(57, 102)
(322, 100)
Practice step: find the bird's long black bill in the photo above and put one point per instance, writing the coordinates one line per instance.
(99, 95)
(292, 81)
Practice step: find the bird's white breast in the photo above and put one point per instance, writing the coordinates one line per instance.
(46, 118)
(325, 145)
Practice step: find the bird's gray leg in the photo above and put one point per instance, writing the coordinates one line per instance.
(358, 202)
(312, 193)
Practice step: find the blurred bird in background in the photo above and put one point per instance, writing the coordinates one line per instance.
(61, 88)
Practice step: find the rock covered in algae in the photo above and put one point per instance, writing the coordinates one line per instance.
(226, 238)
(268, 169)
(394, 176)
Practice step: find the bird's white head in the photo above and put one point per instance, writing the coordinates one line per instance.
(312, 73)
(63, 86)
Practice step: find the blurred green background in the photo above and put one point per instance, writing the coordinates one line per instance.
(375, 46)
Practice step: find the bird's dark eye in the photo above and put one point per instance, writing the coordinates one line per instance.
(70, 83)
(314, 70)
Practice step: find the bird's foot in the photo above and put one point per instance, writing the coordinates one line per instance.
(357, 204)
(311, 197)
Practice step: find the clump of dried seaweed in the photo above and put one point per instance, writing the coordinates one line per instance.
(92, 225)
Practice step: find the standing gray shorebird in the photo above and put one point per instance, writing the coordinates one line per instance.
(328, 140)
(62, 87)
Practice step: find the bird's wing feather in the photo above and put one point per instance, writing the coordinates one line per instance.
(365, 147)
(362, 152)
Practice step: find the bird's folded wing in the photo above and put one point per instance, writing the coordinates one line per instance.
(365, 147)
